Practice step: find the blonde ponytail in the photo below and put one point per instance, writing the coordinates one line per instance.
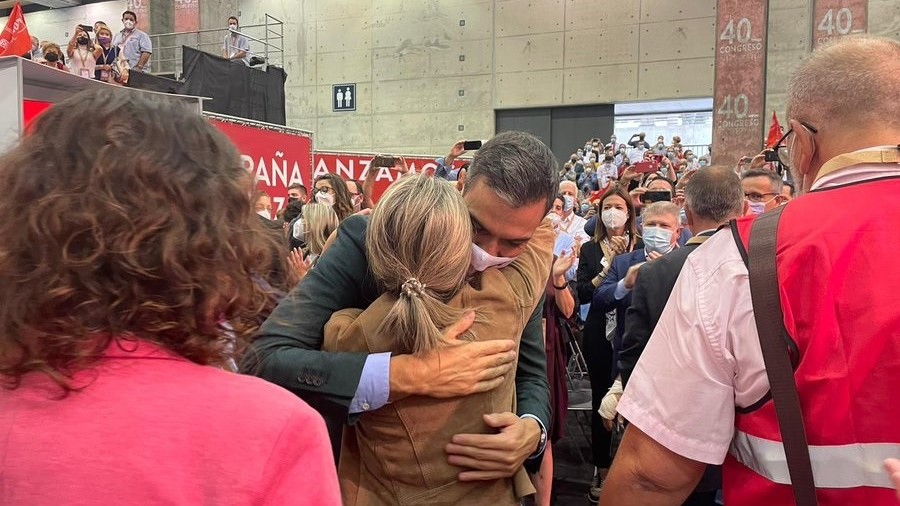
(418, 245)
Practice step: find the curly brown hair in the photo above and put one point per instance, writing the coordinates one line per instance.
(118, 227)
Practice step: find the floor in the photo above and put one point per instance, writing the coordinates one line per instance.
(572, 470)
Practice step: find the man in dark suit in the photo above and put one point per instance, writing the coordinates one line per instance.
(713, 197)
(662, 226)
(512, 182)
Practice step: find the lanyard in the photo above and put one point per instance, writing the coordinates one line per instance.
(83, 59)
(881, 154)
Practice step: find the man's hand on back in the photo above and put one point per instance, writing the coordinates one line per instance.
(494, 456)
(454, 370)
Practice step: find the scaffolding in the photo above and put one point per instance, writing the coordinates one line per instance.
(167, 58)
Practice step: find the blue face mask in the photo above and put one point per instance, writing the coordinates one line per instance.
(657, 239)
(585, 208)
(757, 207)
(568, 203)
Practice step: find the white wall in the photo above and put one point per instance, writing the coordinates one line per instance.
(56, 25)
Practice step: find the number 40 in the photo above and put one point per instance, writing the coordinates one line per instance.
(743, 32)
(841, 22)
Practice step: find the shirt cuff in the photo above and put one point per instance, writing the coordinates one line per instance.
(621, 291)
(374, 384)
(543, 441)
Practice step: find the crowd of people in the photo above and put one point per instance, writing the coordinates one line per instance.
(96, 52)
(158, 324)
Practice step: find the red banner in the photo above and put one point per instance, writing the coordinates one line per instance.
(32, 108)
(187, 15)
(277, 159)
(14, 40)
(740, 82)
(356, 165)
(833, 19)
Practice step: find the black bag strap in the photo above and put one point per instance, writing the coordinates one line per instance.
(772, 337)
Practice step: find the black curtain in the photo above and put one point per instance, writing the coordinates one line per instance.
(234, 88)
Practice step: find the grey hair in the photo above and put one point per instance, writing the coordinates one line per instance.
(775, 180)
(658, 208)
(518, 167)
(850, 82)
(715, 194)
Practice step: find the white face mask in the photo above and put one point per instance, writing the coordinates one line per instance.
(298, 230)
(265, 214)
(482, 260)
(129, 24)
(658, 240)
(614, 218)
(757, 207)
(356, 200)
(232, 27)
(568, 203)
(325, 198)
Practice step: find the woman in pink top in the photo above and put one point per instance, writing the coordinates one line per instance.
(125, 248)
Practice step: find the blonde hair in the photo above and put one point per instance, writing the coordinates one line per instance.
(419, 246)
(320, 221)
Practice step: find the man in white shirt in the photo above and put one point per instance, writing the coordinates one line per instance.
(570, 222)
(236, 47)
(704, 359)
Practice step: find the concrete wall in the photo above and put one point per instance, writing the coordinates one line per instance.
(429, 72)
(789, 43)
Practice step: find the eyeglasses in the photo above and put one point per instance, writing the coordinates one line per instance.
(759, 197)
(784, 155)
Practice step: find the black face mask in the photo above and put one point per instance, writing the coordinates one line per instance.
(83, 41)
(293, 199)
(51, 57)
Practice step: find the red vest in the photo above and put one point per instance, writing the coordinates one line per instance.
(839, 278)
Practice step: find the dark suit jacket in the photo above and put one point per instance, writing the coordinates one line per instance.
(648, 299)
(288, 352)
(604, 296)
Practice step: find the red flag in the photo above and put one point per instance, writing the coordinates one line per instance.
(775, 132)
(15, 40)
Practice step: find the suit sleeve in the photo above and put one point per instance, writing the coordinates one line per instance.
(532, 387)
(287, 351)
(587, 270)
(638, 324)
(604, 295)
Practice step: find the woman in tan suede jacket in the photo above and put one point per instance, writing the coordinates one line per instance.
(396, 455)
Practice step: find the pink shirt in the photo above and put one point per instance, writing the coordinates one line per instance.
(704, 358)
(151, 427)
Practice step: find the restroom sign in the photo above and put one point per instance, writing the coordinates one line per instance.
(343, 97)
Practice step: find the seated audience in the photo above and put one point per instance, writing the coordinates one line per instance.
(114, 332)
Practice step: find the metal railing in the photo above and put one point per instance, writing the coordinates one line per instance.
(167, 58)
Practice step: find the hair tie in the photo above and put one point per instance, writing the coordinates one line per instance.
(412, 287)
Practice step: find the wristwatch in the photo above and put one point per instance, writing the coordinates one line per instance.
(542, 442)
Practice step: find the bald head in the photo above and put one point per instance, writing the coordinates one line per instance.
(852, 82)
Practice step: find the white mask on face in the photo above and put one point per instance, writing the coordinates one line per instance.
(658, 240)
(265, 214)
(482, 260)
(325, 198)
(298, 231)
(129, 24)
(614, 218)
(568, 203)
(356, 200)
(232, 27)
